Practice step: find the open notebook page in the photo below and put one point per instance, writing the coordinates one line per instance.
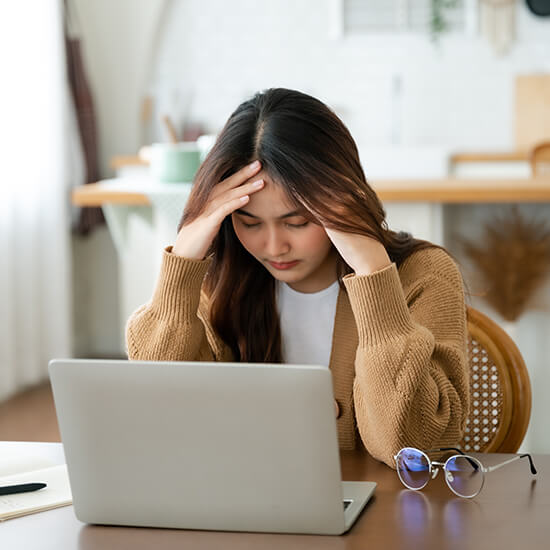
(57, 493)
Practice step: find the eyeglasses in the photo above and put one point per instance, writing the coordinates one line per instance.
(464, 474)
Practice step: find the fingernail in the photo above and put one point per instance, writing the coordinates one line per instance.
(255, 164)
(258, 183)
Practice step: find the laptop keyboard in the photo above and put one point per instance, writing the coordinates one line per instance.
(347, 503)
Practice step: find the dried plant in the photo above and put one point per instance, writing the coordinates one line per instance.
(513, 262)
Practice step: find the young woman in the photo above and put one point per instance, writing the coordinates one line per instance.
(283, 255)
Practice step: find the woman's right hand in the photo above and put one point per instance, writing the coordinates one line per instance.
(195, 238)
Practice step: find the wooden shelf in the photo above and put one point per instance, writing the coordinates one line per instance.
(510, 156)
(121, 161)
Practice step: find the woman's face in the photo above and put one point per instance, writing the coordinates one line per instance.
(292, 249)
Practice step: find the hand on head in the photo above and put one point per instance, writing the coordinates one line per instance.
(363, 254)
(194, 239)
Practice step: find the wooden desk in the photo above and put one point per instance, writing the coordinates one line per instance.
(512, 511)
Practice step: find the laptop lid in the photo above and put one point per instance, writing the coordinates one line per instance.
(224, 446)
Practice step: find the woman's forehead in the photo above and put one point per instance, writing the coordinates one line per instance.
(269, 202)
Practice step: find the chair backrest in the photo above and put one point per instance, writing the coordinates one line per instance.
(539, 158)
(500, 391)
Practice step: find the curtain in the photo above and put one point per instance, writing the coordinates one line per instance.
(39, 159)
(84, 107)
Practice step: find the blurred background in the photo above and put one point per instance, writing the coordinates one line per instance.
(438, 94)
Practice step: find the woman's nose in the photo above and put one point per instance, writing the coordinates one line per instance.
(276, 244)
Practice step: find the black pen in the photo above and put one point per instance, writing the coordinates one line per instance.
(23, 488)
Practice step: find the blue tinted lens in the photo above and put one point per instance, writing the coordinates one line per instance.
(464, 475)
(413, 468)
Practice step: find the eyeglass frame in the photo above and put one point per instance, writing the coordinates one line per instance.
(476, 463)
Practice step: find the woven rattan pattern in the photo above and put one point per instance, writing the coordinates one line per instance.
(486, 399)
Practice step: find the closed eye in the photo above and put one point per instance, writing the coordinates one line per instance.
(297, 224)
(291, 225)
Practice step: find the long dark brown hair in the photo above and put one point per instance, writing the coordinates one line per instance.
(306, 149)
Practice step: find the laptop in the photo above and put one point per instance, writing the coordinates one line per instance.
(198, 445)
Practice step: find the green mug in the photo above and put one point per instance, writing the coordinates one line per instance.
(175, 162)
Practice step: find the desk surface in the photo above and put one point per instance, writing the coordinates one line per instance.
(512, 511)
(447, 190)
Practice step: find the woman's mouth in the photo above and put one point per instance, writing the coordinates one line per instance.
(284, 265)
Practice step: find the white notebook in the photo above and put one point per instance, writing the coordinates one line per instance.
(56, 494)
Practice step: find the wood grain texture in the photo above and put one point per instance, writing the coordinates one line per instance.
(510, 512)
(532, 110)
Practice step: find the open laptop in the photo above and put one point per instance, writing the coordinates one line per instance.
(221, 446)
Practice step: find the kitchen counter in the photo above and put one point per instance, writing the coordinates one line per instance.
(441, 190)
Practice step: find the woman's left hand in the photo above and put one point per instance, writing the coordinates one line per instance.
(363, 254)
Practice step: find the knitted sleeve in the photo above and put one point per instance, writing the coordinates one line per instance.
(411, 383)
(170, 327)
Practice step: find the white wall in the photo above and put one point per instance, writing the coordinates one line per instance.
(458, 94)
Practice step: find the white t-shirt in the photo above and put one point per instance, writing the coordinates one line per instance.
(307, 322)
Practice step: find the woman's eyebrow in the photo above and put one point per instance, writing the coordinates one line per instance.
(287, 215)
(244, 213)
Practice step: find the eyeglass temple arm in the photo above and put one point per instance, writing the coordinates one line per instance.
(472, 463)
(497, 466)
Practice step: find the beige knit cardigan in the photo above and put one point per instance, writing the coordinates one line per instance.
(399, 355)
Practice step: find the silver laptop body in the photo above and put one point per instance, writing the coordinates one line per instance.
(222, 446)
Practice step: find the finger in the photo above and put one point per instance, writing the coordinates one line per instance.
(236, 193)
(229, 207)
(246, 189)
(239, 177)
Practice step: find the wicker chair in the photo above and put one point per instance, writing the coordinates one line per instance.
(500, 391)
(539, 159)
